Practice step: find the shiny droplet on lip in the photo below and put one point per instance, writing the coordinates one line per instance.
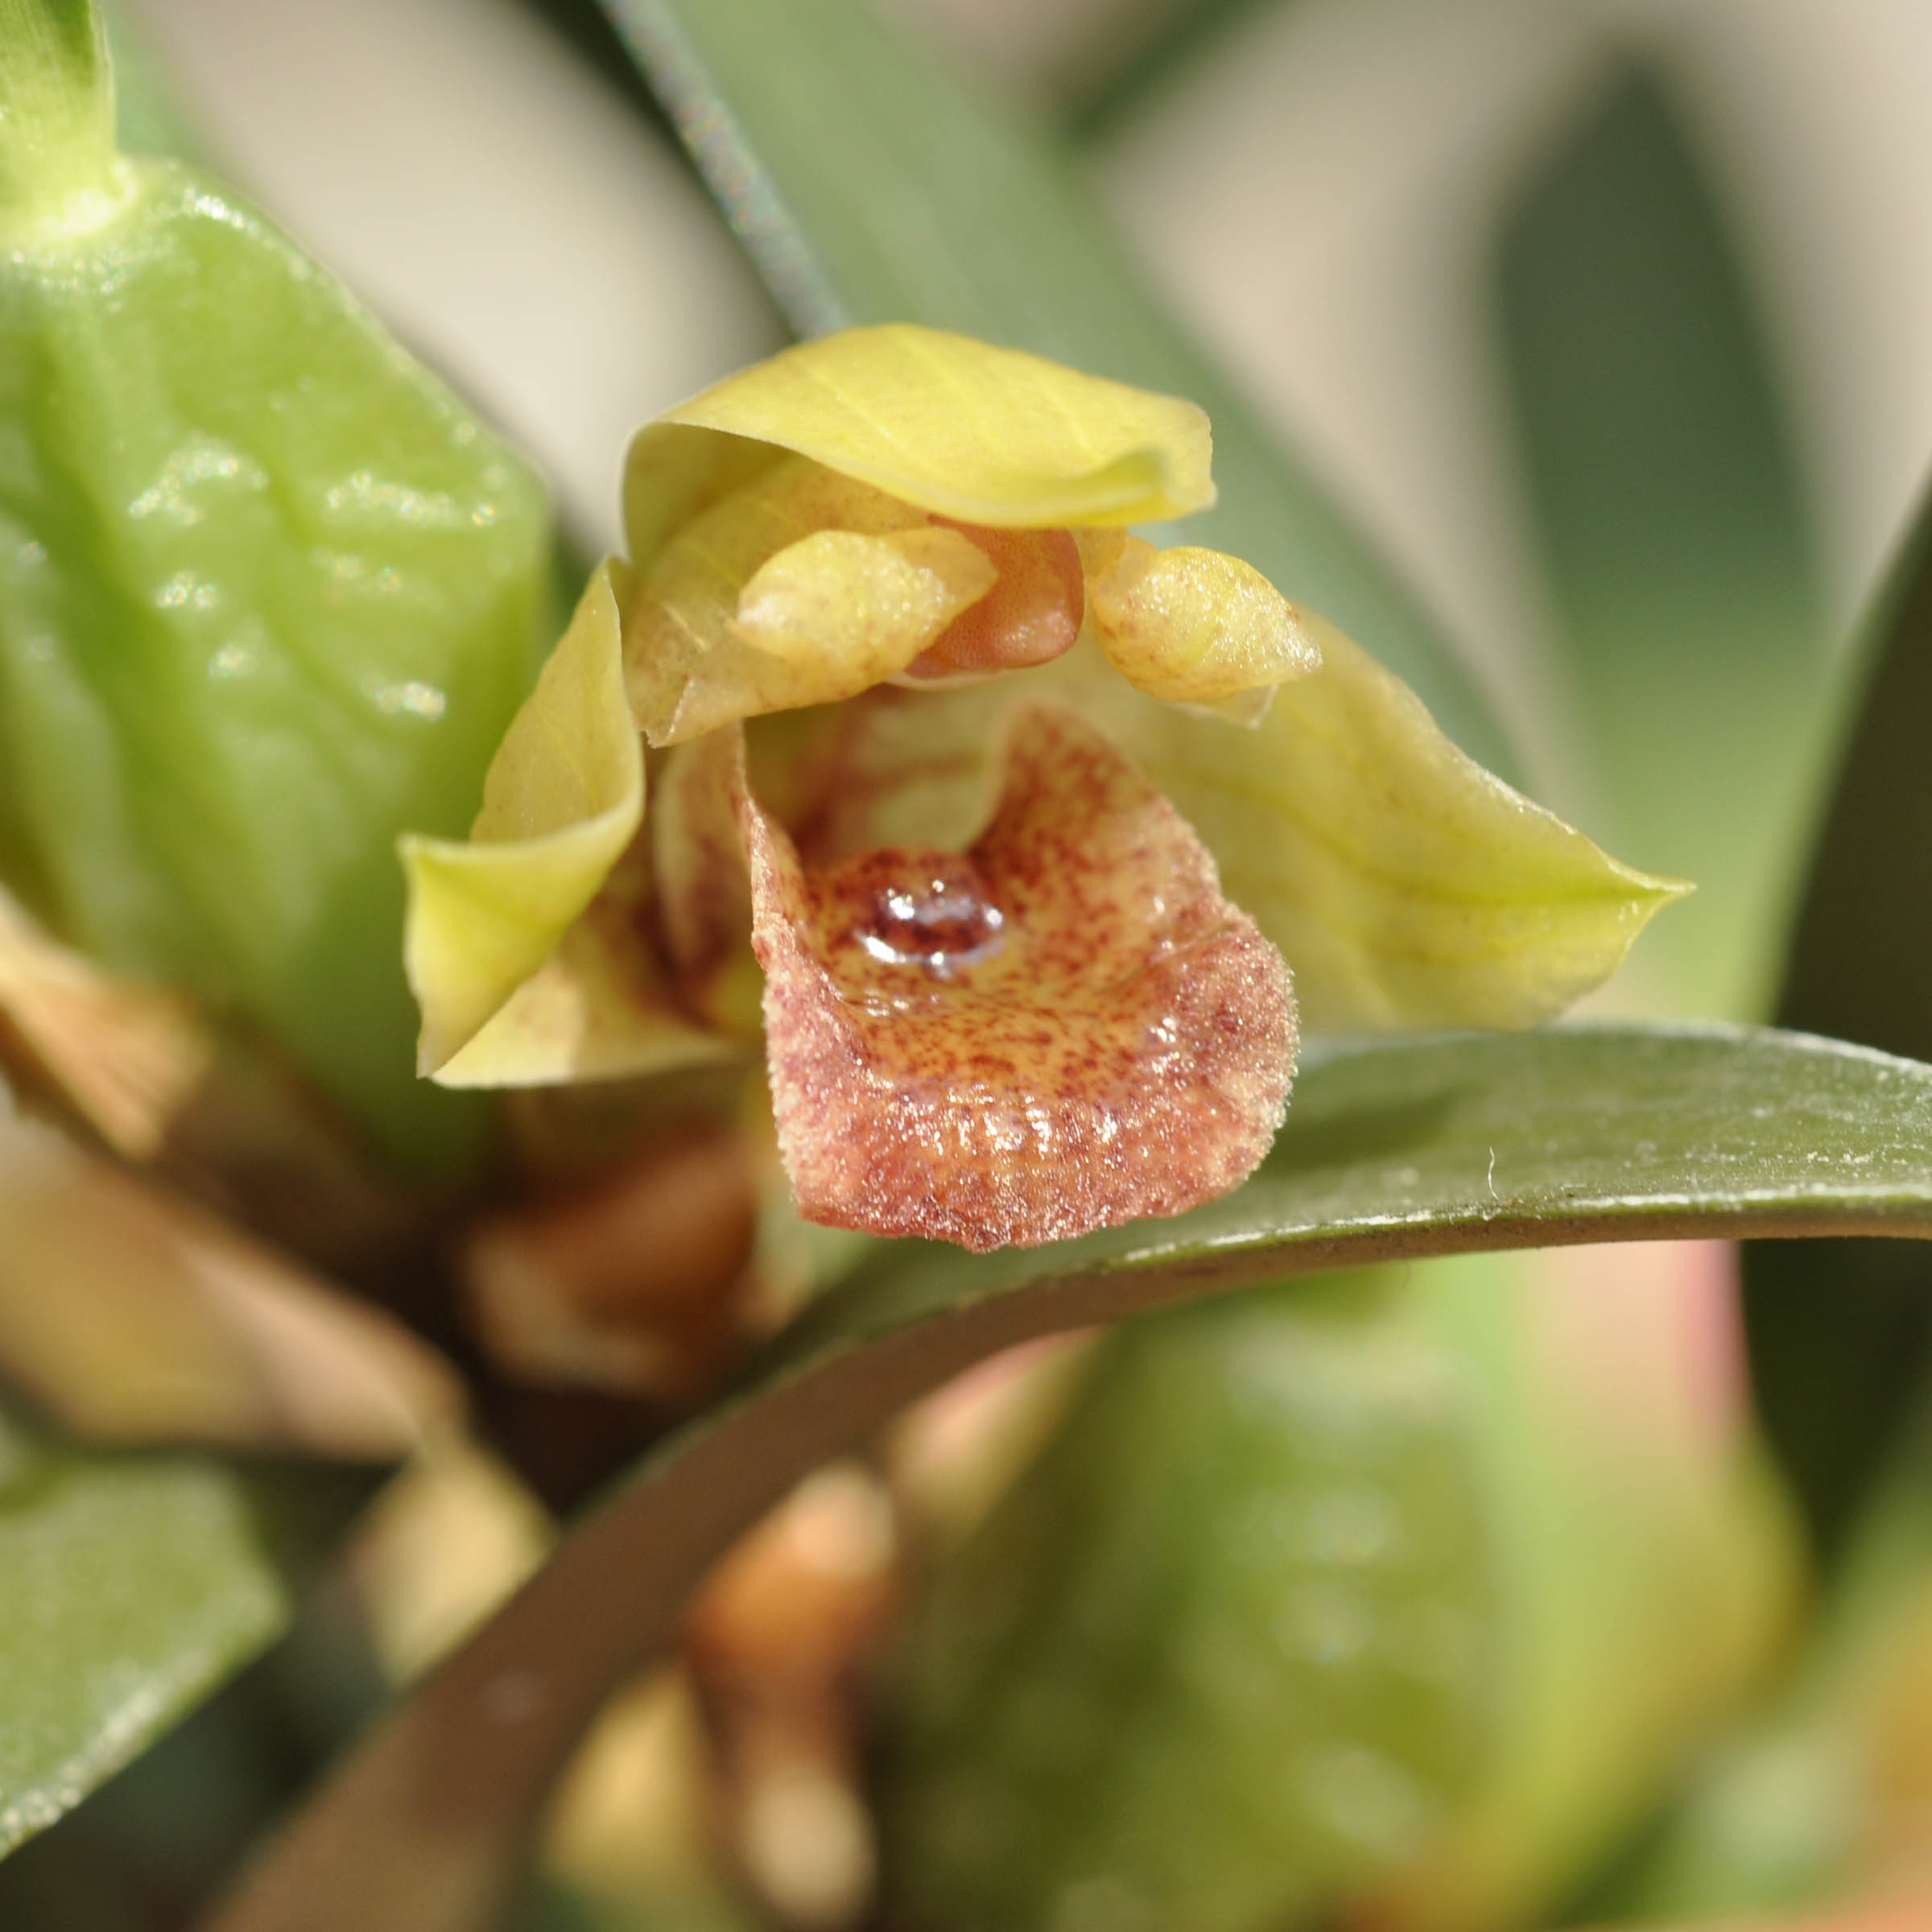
(930, 910)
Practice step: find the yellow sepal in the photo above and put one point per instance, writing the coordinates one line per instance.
(959, 427)
(1407, 886)
(563, 799)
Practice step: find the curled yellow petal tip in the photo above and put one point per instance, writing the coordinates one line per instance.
(563, 797)
(1192, 627)
(824, 619)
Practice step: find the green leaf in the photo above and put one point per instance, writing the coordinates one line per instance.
(1253, 1579)
(1674, 538)
(132, 1586)
(56, 116)
(907, 198)
(1863, 932)
(268, 596)
(1841, 1336)
(1431, 1146)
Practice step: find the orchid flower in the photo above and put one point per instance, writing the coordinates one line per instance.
(1024, 821)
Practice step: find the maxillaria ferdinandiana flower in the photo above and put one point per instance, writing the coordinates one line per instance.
(964, 769)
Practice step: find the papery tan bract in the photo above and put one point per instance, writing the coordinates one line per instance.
(124, 1056)
(1064, 1027)
(129, 1315)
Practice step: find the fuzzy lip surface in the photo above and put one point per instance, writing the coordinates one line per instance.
(1064, 1027)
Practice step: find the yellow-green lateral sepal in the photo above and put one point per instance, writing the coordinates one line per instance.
(961, 428)
(563, 799)
(1405, 885)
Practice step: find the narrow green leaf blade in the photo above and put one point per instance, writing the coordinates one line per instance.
(1428, 1147)
(130, 1588)
(905, 197)
(1675, 540)
(1863, 931)
(1841, 1336)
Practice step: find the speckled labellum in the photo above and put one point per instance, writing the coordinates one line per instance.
(1063, 1027)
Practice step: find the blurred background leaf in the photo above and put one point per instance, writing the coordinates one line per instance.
(151, 1846)
(1230, 1644)
(1827, 1791)
(1335, 138)
(134, 1584)
(1674, 533)
(1841, 1331)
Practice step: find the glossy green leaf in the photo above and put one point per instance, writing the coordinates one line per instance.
(1841, 1336)
(268, 596)
(1430, 1146)
(1675, 543)
(905, 197)
(130, 1588)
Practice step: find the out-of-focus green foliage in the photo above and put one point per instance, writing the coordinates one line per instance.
(1637, 1599)
(1840, 1334)
(1674, 534)
(1230, 1646)
(268, 595)
(134, 1584)
(1829, 1789)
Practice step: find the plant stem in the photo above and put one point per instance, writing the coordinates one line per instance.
(59, 171)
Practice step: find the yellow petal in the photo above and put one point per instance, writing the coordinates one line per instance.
(562, 799)
(985, 435)
(1194, 627)
(824, 619)
(600, 1008)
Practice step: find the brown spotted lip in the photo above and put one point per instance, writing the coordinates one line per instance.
(1065, 1027)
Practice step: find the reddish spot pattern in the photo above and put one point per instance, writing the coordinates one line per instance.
(1065, 1027)
(1031, 615)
